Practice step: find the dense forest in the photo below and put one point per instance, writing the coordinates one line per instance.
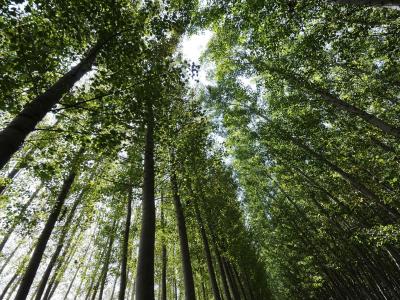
(126, 176)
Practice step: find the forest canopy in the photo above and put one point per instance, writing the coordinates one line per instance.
(267, 170)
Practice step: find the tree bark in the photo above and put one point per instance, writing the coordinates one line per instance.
(37, 255)
(223, 273)
(106, 263)
(113, 289)
(379, 3)
(13, 136)
(9, 258)
(10, 176)
(7, 287)
(72, 282)
(60, 245)
(61, 268)
(14, 225)
(207, 252)
(164, 258)
(357, 185)
(124, 260)
(236, 275)
(339, 103)
(231, 280)
(184, 244)
(145, 267)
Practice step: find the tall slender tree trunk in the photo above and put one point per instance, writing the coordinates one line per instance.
(249, 286)
(15, 170)
(60, 245)
(80, 265)
(106, 263)
(145, 267)
(211, 272)
(7, 287)
(113, 289)
(72, 282)
(15, 224)
(94, 287)
(231, 279)
(10, 176)
(239, 281)
(37, 255)
(78, 291)
(133, 290)
(61, 267)
(184, 244)
(9, 258)
(164, 257)
(175, 287)
(385, 3)
(222, 272)
(124, 259)
(357, 185)
(339, 103)
(13, 136)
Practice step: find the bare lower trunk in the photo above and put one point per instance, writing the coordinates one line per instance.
(72, 282)
(106, 264)
(37, 255)
(7, 287)
(207, 252)
(60, 245)
(231, 280)
(9, 258)
(239, 281)
(145, 267)
(113, 289)
(184, 244)
(164, 258)
(124, 260)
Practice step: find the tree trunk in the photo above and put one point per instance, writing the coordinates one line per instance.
(10, 257)
(66, 256)
(37, 255)
(124, 259)
(23, 210)
(7, 287)
(72, 282)
(145, 267)
(13, 136)
(231, 280)
(60, 269)
(113, 289)
(236, 275)
(339, 103)
(106, 263)
(379, 3)
(184, 244)
(164, 258)
(10, 176)
(78, 291)
(249, 287)
(211, 272)
(368, 194)
(60, 245)
(222, 273)
(133, 290)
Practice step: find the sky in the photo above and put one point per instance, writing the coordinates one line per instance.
(193, 47)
